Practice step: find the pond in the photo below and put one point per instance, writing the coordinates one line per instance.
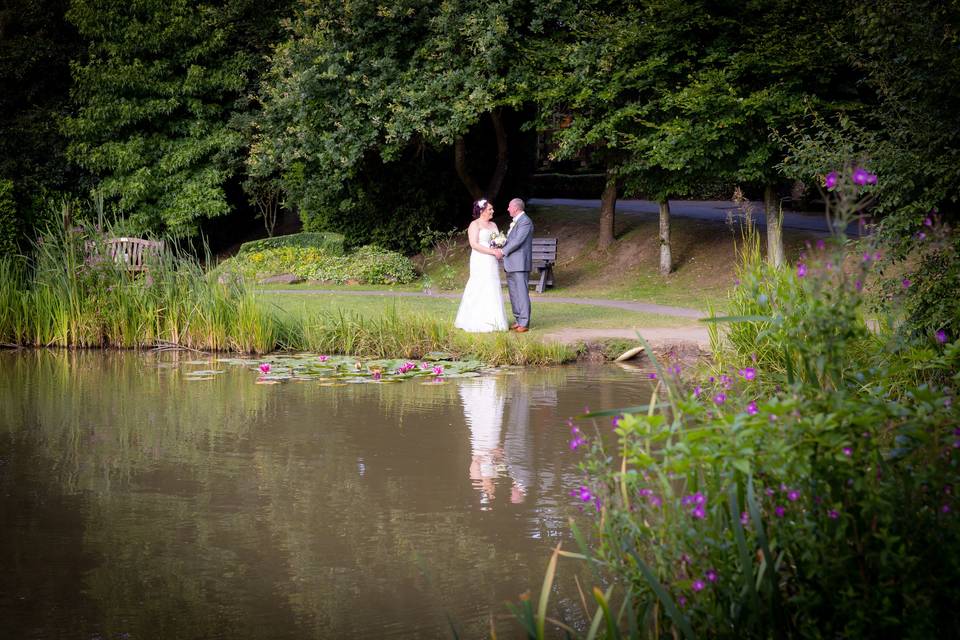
(139, 502)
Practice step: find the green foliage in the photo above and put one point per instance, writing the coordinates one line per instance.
(162, 102)
(330, 243)
(9, 231)
(36, 46)
(367, 265)
(76, 296)
(806, 489)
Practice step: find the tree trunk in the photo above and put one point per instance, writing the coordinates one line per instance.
(774, 225)
(666, 262)
(500, 172)
(460, 162)
(608, 209)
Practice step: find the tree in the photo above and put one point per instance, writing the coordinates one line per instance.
(162, 102)
(36, 45)
(363, 87)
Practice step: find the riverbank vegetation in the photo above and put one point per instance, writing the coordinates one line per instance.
(804, 486)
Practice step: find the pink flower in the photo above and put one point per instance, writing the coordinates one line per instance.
(831, 180)
(264, 367)
(711, 575)
(744, 518)
(833, 514)
(377, 375)
(780, 511)
(749, 373)
(698, 585)
(861, 176)
(801, 270)
(323, 358)
(720, 398)
(438, 370)
(847, 451)
(906, 283)
(752, 408)
(793, 495)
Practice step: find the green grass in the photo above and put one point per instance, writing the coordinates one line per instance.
(546, 316)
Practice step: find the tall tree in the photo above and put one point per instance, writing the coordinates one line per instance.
(36, 45)
(162, 102)
(360, 86)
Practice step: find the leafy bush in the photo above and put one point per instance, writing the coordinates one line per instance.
(367, 265)
(809, 493)
(326, 242)
(8, 219)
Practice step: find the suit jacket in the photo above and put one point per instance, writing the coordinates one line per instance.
(518, 251)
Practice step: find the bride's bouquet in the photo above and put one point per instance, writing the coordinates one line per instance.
(497, 240)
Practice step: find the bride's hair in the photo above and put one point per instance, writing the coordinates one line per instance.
(479, 206)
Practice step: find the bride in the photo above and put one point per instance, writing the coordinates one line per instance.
(481, 308)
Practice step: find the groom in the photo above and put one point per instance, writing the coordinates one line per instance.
(517, 256)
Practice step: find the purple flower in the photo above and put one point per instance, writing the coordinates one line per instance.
(698, 512)
(697, 391)
(945, 509)
(655, 501)
(698, 585)
(711, 575)
(866, 257)
(744, 518)
(847, 451)
(941, 336)
(575, 443)
(831, 180)
(682, 601)
(615, 421)
(801, 270)
(858, 285)
(821, 245)
(752, 408)
(652, 376)
(921, 235)
(860, 176)
(646, 492)
(720, 398)
(377, 375)
(793, 495)
(906, 283)
(748, 373)
(265, 367)
(929, 222)
(780, 511)
(769, 491)
(585, 494)
(833, 514)
(871, 178)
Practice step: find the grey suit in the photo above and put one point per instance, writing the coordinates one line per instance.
(518, 262)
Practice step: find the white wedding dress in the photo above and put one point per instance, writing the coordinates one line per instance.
(481, 308)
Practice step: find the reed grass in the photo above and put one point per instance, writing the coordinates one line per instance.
(71, 296)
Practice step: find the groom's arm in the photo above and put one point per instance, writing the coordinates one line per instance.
(516, 239)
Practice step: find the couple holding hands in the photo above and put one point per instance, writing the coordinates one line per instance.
(481, 308)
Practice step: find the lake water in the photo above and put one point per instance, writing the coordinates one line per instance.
(137, 503)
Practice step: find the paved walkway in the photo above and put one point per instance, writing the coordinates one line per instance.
(642, 307)
(716, 210)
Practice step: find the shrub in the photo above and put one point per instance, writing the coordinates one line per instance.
(367, 265)
(8, 219)
(326, 242)
(808, 494)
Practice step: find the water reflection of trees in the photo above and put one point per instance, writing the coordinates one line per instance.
(223, 508)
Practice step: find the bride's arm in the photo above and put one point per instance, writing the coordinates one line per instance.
(473, 232)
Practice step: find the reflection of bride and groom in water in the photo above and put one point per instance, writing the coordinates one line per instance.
(498, 457)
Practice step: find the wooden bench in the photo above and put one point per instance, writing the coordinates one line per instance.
(132, 253)
(544, 257)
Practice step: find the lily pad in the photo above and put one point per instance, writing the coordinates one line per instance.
(206, 372)
(192, 378)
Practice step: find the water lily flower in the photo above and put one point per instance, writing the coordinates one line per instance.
(264, 367)
(323, 358)
(438, 370)
(377, 375)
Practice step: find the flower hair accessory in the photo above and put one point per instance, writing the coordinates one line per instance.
(482, 202)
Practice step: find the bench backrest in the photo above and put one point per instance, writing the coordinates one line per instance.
(133, 252)
(544, 250)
